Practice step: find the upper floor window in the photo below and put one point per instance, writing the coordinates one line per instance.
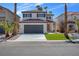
(48, 17)
(40, 15)
(27, 15)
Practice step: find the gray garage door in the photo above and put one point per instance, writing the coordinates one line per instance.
(33, 28)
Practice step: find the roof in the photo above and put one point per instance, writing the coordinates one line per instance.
(69, 13)
(70, 21)
(34, 11)
(8, 10)
(73, 13)
(35, 21)
(50, 21)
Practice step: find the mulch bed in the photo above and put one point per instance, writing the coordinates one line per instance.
(13, 37)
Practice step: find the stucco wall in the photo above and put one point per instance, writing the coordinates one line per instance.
(52, 27)
(34, 16)
(9, 16)
(69, 18)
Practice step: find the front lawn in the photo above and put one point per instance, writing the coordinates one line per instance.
(55, 36)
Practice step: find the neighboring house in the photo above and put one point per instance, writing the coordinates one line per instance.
(36, 21)
(7, 15)
(71, 25)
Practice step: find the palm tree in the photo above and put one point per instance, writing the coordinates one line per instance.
(65, 18)
(50, 12)
(15, 20)
(65, 23)
(8, 28)
(45, 8)
(39, 8)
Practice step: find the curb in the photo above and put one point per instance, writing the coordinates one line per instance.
(38, 41)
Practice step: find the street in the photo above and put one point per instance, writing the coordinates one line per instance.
(38, 49)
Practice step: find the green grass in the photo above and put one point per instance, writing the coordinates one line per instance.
(55, 36)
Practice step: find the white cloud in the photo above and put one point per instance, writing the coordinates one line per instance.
(25, 7)
(38, 4)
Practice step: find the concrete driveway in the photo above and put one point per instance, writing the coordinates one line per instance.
(31, 37)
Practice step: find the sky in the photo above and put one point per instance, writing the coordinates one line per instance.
(56, 8)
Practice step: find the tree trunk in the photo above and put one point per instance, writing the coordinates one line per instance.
(15, 21)
(65, 22)
(7, 35)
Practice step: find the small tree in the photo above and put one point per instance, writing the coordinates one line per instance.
(8, 28)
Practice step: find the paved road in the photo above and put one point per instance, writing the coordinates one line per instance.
(38, 49)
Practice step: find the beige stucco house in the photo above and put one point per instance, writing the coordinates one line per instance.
(7, 15)
(71, 24)
(36, 21)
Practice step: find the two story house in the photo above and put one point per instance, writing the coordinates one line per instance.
(7, 15)
(36, 21)
(71, 24)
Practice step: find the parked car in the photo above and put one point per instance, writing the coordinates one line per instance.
(2, 31)
(75, 37)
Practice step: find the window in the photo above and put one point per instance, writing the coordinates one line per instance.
(24, 15)
(48, 17)
(40, 15)
(27, 15)
(71, 27)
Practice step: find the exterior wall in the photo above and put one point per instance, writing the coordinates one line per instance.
(60, 19)
(21, 29)
(52, 27)
(74, 26)
(34, 16)
(2, 15)
(8, 15)
(69, 17)
(57, 29)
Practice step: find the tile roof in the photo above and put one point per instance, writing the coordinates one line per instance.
(69, 13)
(35, 21)
(73, 13)
(8, 10)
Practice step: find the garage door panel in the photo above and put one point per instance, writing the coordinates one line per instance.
(33, 28)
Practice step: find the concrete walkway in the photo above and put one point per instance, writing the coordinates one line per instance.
(30, 37)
